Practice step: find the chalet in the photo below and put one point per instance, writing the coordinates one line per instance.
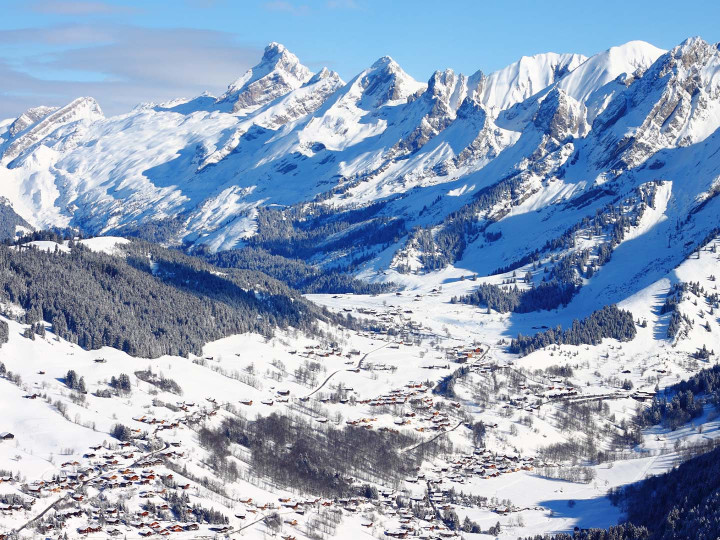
(89, 530)
(6, 436)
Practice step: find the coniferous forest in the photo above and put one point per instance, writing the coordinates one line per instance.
(681, 504)
(152, 302)
(608, 322)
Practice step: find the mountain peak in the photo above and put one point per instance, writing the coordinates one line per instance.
(385, 62)
(692, 42)
(82, 109)
(441, 78)
(586, 82)
(524, 78)
(324, 73)
(386, 81)
(274, 48)
(278, 72)
(688, 59)
(694, 50)
(28, 118)
(448, 87)
(277, 55)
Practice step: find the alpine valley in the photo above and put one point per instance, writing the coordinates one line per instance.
(481, 306)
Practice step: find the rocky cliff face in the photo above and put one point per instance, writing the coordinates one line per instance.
(278, 73)
(39, 123)
(552, 138)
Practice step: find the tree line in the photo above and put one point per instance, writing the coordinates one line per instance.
(152, 302)
(608, 322)
(678, 403)
(296, 273)
(322, 461)
(545, 296)
(679, 504)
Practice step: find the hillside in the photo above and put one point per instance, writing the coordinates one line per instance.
(384, 174)
(143, 299)
(421, 420)
(479, 307)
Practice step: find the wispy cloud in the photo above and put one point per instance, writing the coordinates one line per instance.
(342, 4)
(299, 9)
(68, 35)
(204, 4)
(120, 66)
(287, 7)
(78, 7)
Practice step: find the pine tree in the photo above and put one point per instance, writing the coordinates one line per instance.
(71, 379)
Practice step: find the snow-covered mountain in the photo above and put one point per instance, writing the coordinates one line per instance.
(402, 176)
(550, 233)
(278, 73)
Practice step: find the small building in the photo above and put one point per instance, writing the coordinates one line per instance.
(6, 436)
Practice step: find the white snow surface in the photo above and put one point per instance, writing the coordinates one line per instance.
(283, 135)
(44, 439)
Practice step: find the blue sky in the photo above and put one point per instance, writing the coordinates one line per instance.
(125, 52)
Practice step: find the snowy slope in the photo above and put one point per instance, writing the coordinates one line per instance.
(525, 78)
(602, 170)
(545, 130)
(57, 432)
(278, 72)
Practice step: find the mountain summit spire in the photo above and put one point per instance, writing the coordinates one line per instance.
(278, 72)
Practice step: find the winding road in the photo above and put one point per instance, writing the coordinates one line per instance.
(359, 365)
(431, 439)
(84, 483)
